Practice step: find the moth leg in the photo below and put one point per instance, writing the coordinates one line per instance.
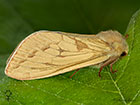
(101, 68)
(74, 73)
(111, 67)
(110, 61)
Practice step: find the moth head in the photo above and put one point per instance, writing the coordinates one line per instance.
(116, 40)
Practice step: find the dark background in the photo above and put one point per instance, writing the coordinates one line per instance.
(19, 18)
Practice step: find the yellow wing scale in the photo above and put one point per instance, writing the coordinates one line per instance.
(46, 53)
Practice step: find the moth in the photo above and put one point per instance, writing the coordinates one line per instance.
(48, 53)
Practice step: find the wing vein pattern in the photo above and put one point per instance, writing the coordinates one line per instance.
(48, 53)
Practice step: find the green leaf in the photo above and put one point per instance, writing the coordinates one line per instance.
(21, 17)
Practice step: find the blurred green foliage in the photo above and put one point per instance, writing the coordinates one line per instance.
(18, 18)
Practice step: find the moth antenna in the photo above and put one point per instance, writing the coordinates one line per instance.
(74, 73)
(126, 36)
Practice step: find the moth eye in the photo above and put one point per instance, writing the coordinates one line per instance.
(123, 54)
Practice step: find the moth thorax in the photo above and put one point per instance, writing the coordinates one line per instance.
(114, 39)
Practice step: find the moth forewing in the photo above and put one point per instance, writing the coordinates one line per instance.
(47, 53)
(12, 54)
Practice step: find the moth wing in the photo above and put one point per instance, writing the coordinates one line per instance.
(46, 53)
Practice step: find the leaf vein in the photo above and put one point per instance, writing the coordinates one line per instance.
(117, 87)
(53, 94)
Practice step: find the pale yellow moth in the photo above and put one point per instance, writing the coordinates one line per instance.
(48, 53)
